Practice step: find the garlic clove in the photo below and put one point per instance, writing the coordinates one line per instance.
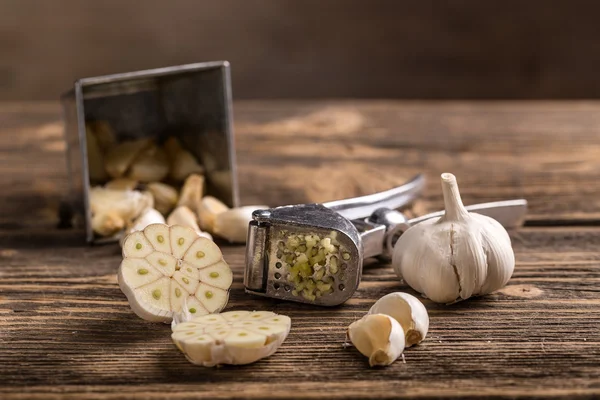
(184, 165)
(185, 217)
(107, 224)
(158, 284)
(212, 341)
(165, 196)
(95, 158)
(456, 256)
(103, 133)
(150, 165)
(112, 210)
(208, 209)
(410, 313)
(121, 184)
(120, 157)
(191, 192)
(378, 337)
(232, 224)
(148, 217)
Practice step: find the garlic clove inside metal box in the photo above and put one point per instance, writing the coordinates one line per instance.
(191, 103)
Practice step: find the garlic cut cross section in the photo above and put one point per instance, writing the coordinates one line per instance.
(159, 278)
(233, 337)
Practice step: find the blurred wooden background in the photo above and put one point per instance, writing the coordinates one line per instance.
(312, 48)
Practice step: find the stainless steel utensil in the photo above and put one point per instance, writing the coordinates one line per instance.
(362, 227)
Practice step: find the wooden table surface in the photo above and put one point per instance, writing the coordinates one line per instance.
(66, 330)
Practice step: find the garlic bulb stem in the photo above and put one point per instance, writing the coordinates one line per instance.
(455, 210)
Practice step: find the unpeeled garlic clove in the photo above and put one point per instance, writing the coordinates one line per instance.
(456, 256)
(208, 209)
(233, 337)
(410, 313)
(148, 217)
(191, 192)
(165, 196)
(378, 337)
(120, 157)
(183, 216)
(182, 163)
(150, 165)
(232, 224)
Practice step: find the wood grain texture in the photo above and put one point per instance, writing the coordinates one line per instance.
(66, 330)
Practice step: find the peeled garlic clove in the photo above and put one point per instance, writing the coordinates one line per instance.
(185, 217)
(119, 158)
(232, 224)
(184, 165)
(410, 313)
(95, 158)
(191, 192)
(208, 209)
(112, 210)
(378, 337)
(121, 184)
(165, 196)
(148, 217)
(104, 134)
(233, 337)
(150, 165)
(107, 224)
(456, 256)
(158, 276)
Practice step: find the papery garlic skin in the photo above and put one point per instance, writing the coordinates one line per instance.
(378, 337)
(456, 256)
(112, 210)
(410, 313)
(233, 337)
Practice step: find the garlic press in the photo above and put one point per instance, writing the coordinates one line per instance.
(313, 253)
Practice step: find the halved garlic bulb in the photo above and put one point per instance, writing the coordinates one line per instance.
(163, 267)
(410, 313)
(233, 337)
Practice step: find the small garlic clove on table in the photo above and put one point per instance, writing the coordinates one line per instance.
(378, 337)
(112, 210)
(410, 313)
(456, 256)
(233, 337)
(192, 192)
(165, 267)
(232, 224)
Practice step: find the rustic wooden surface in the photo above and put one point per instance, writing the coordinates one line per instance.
(66, 330)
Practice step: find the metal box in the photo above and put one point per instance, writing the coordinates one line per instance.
(191, 102)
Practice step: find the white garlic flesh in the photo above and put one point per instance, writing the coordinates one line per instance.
(456, 256)
(232, 224)
(164, 267)
(233, 337)
(378, 337)
(410, 313)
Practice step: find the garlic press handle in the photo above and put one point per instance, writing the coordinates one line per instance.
(364, 206)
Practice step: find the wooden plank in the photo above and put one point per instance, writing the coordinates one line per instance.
(67, 332)
(293, 152)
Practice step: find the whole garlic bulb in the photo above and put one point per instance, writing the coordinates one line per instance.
(456, 256)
